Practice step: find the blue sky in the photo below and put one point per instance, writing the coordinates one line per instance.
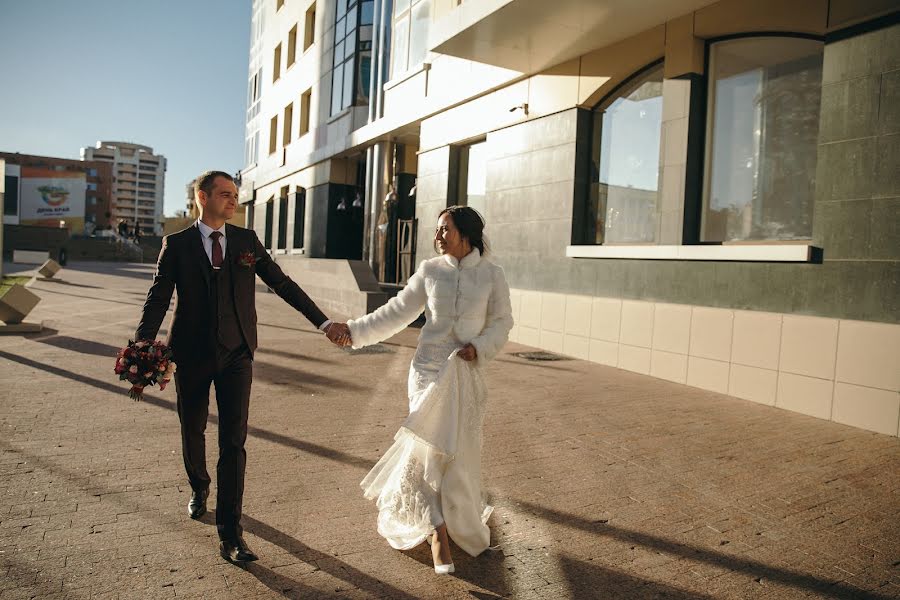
(171, 74)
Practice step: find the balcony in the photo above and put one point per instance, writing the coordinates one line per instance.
(532, 35)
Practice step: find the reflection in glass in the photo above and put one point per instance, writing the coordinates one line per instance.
(399, 47)
(337, 84)
(348, 84)
(351, 19)
(473, 161)
(349, 45)
(365, 74)
(625, 150)
(765, 94)
(418, 37)
(368, 13)
(400, 6)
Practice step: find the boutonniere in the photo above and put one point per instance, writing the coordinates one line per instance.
(247, 259)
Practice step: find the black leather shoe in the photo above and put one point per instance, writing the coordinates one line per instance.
(236, 551)
(197, 505)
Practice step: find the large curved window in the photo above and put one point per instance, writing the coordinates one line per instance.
(625, 162)
(763, 110)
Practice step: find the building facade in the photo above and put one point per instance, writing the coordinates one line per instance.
(138, 194)
(94, 177)
(705, 192)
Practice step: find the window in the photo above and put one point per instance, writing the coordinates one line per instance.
(273, 135)
(288, 123)
(473, 175)
(254, 91)
(412, 22)
(292, 46)
(352, 54)
(624, 174)
(276, 64)
(309, 27)
(282, 218)
(270, 210)
(252, 148)
(305, 106)
(92, 187)
(11, 197)
(299, 217)
(762, 129)
(92, 172)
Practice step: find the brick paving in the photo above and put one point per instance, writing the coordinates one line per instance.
(607, 484)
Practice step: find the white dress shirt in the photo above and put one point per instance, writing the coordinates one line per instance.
(205, 232)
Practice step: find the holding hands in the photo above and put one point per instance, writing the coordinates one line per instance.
(339, 334)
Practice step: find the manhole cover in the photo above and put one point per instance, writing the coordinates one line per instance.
(374, 349)
(539, 356)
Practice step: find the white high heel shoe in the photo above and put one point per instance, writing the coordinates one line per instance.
(439, 569)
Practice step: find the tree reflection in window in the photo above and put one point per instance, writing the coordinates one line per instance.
(764, 99)
(625, 144)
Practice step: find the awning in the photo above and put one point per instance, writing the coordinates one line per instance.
(532, 35)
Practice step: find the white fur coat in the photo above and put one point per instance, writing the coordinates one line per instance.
(468, 298)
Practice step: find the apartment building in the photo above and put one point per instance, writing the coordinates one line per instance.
(704, 192)
(138, 194)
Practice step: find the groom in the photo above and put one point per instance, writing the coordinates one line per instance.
(213, 336)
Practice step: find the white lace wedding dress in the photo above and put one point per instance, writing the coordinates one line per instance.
(431, 474)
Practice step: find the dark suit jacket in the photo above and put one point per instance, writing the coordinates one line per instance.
(183, 265)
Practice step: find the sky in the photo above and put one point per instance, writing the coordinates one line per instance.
(170, 74)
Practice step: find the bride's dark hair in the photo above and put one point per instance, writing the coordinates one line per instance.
(470, 224)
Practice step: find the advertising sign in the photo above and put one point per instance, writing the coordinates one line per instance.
(52, 198)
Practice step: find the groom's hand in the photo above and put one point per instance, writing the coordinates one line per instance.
(339, 334)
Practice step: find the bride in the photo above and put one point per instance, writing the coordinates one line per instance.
(428, 483)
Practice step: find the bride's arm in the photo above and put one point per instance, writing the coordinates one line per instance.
(393, 317)
(498, 322)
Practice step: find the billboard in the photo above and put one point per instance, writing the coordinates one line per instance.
(52, 198)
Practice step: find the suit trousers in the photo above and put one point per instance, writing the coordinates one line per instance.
(231, 371)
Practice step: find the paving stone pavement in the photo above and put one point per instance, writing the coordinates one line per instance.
(607, 484)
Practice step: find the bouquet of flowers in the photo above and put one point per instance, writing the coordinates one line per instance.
(144, 363)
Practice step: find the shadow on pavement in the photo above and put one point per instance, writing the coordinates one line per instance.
(787, 577)
(324, 562)
(586, 580)
(281, 585)
(69, 283)
(292, 355)
(76, 345)
(276, 374)
(140, 271)
(97, 298)
(271, 436)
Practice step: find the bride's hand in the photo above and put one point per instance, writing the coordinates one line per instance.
(468, 353)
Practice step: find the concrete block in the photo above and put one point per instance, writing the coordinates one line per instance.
(16, 303)
(49, 268)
